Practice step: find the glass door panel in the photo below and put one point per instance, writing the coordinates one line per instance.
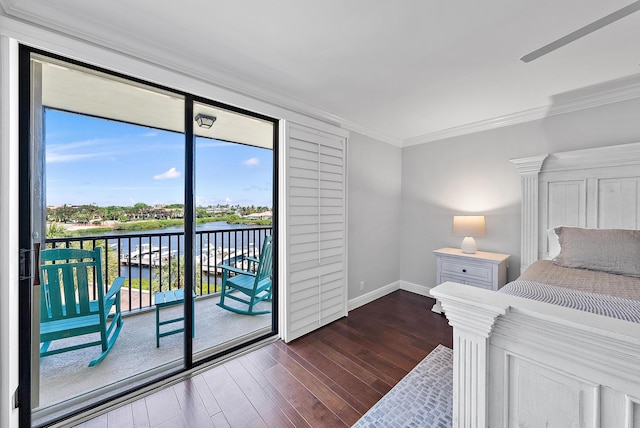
(234, 179)
(113, 172)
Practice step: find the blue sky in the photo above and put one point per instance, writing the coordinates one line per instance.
(103, 162)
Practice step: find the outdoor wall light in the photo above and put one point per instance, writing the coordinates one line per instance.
(205, 121)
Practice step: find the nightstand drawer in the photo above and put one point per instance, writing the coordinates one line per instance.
(481, 269)
(465, 269)
(466, 280)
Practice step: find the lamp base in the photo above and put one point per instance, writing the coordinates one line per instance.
(469, 245)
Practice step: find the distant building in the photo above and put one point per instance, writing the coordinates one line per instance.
(260, 216)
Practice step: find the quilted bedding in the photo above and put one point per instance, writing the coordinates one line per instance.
(611, 306)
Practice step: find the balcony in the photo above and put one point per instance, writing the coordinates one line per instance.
(152, 262)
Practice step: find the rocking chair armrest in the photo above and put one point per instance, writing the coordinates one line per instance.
(236, 270)
(115, 287)
(252, 261)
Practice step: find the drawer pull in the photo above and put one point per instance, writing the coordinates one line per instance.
(464, 270)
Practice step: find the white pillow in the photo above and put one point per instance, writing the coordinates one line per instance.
(554, 243)
(608, 250)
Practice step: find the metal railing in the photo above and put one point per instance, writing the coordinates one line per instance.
(152, 261)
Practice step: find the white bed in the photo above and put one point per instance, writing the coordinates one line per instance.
(525, 363)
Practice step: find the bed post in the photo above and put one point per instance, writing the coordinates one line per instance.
(529, 168)
(472, 326)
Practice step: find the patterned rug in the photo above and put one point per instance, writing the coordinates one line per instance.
(423, 398)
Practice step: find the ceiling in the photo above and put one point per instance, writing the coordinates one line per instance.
(406, 71)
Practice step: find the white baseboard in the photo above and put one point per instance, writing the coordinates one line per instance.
(373, 295)
(383, 291)
(422, 290)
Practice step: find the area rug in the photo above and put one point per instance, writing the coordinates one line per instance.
(423, 398)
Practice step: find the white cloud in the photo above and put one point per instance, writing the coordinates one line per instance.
(76, 151)
(171, 173)
(251, 162)
(58, 157)
(227, 201)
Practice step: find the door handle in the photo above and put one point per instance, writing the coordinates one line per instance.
(36, 257)
(25, 263)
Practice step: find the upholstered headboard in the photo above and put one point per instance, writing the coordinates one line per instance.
(595, 188)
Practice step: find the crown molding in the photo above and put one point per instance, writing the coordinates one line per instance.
(619, 90)
(483, 125)
(377, 135)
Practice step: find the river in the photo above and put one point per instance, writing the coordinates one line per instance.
(236, 237)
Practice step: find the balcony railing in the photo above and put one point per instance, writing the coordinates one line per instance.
(153, 261)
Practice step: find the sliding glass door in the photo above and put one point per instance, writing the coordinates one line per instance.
(234, 200)
(178, 195)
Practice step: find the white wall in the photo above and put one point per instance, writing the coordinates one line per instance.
(374, 230)
(473, 174)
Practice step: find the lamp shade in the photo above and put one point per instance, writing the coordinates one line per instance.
(469, 225)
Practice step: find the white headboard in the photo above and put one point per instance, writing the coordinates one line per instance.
(595, 188)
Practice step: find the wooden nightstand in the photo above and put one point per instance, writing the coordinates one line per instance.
(481, 269)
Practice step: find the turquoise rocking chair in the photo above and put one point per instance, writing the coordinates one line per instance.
(248, 287)
(67, 307)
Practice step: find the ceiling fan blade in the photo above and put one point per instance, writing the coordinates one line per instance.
(581, 32)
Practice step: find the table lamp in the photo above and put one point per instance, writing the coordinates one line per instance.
(469, 226)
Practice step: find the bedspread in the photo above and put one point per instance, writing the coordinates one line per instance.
(546, 272)
(611, 306)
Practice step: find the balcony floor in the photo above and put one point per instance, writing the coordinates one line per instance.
(135, 356)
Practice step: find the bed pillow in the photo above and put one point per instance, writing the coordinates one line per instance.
(554, 243)
(608, 250)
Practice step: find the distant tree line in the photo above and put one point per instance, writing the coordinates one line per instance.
(93, 214)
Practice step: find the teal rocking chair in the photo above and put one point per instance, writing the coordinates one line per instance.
(67, 307)
(248, 287)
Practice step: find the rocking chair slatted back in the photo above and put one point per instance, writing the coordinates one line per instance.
(73, 301)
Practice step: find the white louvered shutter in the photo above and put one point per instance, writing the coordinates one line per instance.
(316, 289)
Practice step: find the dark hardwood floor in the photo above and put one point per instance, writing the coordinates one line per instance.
(330, 377)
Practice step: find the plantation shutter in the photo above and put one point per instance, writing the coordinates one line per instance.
(316, 292)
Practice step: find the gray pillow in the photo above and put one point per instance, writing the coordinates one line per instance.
(608, 250)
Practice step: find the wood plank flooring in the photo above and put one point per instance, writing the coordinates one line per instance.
(328, 378)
